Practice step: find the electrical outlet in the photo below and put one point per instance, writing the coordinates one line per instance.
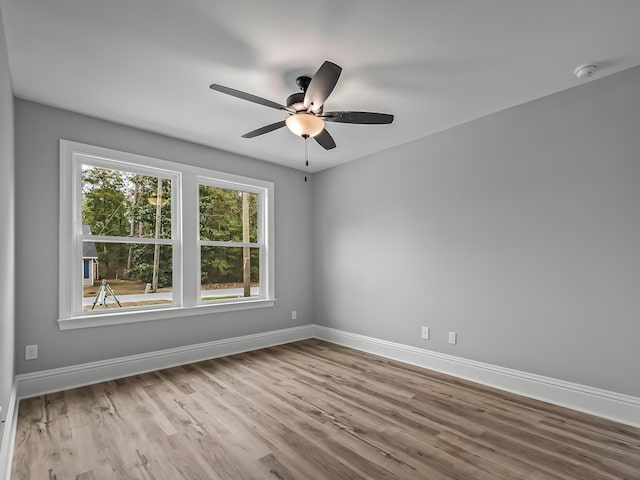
(30, 352)
(425, 333)
(453, 338)
(294, 315)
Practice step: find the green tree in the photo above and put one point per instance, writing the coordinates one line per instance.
(118, 203)
(221, 218)
(147, 259)
(104, 209)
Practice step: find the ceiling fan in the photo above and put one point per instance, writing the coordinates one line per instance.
(306, 116)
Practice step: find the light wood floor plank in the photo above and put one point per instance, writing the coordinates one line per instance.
(312, 411)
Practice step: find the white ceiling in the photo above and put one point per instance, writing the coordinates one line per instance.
(432, 63)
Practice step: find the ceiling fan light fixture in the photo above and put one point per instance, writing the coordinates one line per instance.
(305, 124)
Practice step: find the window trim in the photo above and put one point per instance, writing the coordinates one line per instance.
(185, 232)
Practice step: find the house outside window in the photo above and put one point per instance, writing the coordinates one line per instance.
(144, 239)
(90, 271)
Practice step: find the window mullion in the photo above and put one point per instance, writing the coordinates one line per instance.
(190, 227)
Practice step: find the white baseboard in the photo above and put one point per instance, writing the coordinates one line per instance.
(614, 406)
(8, 434)
(58, 379)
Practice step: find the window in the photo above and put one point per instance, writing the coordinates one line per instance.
(127, 220)
(143, 239)
(231, 243)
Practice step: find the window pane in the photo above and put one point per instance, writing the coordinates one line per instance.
(125, 204)
(228, 215)
(126, 273)
(229, 272)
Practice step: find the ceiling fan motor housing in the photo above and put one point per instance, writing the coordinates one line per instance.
(295, 100)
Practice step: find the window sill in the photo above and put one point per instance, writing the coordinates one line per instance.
(118, 318)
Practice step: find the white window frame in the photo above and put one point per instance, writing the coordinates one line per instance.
(185, 238)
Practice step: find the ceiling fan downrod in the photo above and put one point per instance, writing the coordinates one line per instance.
(306, 155)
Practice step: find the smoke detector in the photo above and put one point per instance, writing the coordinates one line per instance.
(585, 71)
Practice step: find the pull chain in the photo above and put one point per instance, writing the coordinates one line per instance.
(306, 155)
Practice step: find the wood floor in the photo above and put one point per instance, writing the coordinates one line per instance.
(311, 410)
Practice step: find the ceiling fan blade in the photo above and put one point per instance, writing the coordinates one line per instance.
(265, 129)
(247, 96)
(321, 85)
(364, 118)
(325, 140)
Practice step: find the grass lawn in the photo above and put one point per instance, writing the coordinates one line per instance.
(121, 287)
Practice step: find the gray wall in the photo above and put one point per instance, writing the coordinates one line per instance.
(38, 130)
(7, 253)
(520, 231)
